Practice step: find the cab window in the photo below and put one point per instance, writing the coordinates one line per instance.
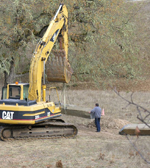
(14, 92)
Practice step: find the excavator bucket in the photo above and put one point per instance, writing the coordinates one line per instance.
(58, 68)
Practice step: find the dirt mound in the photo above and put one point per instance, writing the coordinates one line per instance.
(109, 123)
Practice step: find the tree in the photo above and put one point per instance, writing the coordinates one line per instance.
(16, 28)
(101, 36)
(105, 39)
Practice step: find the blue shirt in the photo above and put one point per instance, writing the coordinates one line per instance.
(96, 111)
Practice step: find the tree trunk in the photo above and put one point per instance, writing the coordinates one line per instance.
(10, 78)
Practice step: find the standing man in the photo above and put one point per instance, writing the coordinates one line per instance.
(97, 113)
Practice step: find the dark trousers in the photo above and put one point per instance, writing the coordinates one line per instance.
(97, 123)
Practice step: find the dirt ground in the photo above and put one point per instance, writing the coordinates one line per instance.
(89, 149)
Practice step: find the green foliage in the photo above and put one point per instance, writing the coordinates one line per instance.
(105, 44)
(101, 35)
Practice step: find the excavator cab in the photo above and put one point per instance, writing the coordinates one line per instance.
(15, 91)
(16, 94)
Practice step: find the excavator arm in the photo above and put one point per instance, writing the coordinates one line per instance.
(58, 28)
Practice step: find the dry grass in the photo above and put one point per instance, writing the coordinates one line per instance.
(89, 149)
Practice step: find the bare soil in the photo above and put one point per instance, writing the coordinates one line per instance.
(89, 149)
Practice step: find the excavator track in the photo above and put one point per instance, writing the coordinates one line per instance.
(39, 131)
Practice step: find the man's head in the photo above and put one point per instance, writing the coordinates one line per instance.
(97, 104)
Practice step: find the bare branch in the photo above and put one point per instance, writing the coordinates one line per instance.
(137, 150)
(142, 111)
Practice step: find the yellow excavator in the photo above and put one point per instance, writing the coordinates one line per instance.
(24, 111)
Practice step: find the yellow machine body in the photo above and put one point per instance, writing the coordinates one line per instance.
(17, 109)
(25, 103)
(27, 114)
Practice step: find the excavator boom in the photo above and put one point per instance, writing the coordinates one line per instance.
(58, 28)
